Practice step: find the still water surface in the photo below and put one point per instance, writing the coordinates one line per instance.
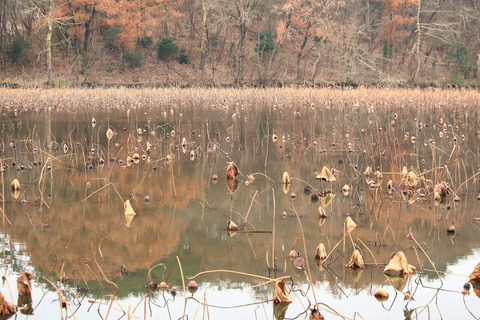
(67, 223)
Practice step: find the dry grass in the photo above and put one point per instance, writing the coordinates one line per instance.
(113, 98)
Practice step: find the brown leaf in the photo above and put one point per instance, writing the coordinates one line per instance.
(411, 179)
(232, 171)
(321, 212)
(368, 172)
(326, 198)
(398, 265)
(232, 226)
(440, 191)
(293, 255)
(129, 213)
(326, 175)
(315, 314)
(286, 178)
(356, 261)
(15, 185)
(350, 224)
(346, 190)
(7, 309)
(475, 275)
(24, 285)
(320, 252)
(109, 134)
(280, 294)
(390, 187)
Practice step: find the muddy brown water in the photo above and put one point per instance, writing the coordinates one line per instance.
(67, 222)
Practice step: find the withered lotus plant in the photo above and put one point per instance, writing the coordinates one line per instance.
(368, 172)
(232, 171)
(293, 255)
(346, 190)
(320, 252)
(321, 212)
(390, 187)
(326, 175)
(475, 275)
(326, 198)
(315, 314)
(24, 285)
(129, 213)
(440, 191)
(411, 179)
(398, 265)
(7, 309)
(356, 260)
(109, 134)
(350, 224)
(286, 178)
(232, 226)
(280, 294)
(15, 185)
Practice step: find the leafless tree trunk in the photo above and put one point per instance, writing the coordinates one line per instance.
(49, 46)
(419, 34)
(203, 44)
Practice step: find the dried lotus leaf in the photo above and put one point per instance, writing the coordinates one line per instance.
(232, 171)
(109, 134)
(280, 294)
(399, 265)
(15, 185)
(356, 260)
(326, 175)
(286, 178)
(350, 224)
(475, 275)
(321, 252)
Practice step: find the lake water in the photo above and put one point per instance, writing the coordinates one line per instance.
(68, 226)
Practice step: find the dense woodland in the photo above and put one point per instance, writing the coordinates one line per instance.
(239, 42)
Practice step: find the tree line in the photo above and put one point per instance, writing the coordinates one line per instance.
(211, 42)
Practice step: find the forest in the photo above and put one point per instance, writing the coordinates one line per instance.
(383, 43)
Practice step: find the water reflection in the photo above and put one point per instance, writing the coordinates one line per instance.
(67, 222)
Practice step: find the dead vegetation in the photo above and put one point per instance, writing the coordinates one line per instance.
(403, 170)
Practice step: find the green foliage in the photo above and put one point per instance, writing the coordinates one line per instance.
(167, 49)
(461, 59)
(145, 41)
(182, 57)
(111, 37)
(265, 44)
(16, 52)
(387, 50)
(213, 40)
(134, 59)
(61, 83)
(458, 80)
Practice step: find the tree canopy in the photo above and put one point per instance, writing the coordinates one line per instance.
(245, 41)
